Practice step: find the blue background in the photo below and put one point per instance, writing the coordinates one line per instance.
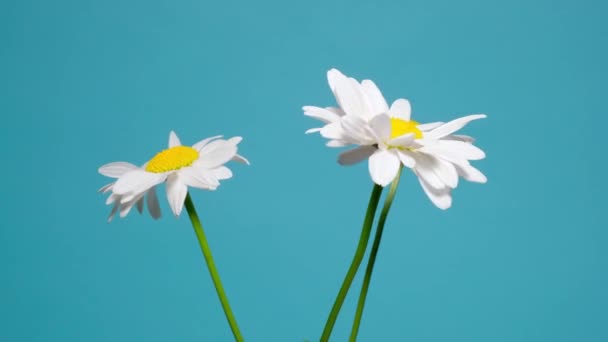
(82, 83)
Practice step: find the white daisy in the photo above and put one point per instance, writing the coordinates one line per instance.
(387, 137)
(200, 166)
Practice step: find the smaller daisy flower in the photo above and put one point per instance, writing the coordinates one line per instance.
(388, 138)
(200, 166)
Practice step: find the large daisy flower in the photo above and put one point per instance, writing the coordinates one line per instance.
(388, 138)
(200, 166)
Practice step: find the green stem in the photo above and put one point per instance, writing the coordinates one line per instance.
(202, 240)
(372, 257)
(354, 266)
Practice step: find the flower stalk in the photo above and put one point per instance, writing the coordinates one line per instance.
(372, 256)
(354, 266)
(202, 239)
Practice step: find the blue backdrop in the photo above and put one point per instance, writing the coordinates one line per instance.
(82, 83)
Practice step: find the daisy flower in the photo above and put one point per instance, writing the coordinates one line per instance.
(388, 138)
(200, 166)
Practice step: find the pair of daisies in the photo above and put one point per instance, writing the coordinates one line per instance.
(385, 136)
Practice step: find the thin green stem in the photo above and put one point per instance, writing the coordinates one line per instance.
(372, 257)
(354, 266)
(202, 240)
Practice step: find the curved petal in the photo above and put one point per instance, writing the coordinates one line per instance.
(113, 212)
(176, 193)
(235, 140)
(140, 205)
(356, 130)
(116, 169)
(348, 94)
(403, 140)
(322, 114)
(153, 205)
(461, 149)
(204, 142)
(240, 159)
(425, 170)
(446, 171)
(137, 181)
(471, 174)
(381, 126)
(406, 158)
(460, 137)
(376, 101)
(106, 188)
(452, 126)
(199, 177)
(441, 198)
(332, 131)
(356, 155)
(429, 126)
(383, 167)
(337, 143)
(401, 109)
(221, 173)
(216, 153)
(173, 140)
(125, 208)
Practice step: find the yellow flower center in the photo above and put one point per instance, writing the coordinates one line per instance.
(172, 159)
(400, 127)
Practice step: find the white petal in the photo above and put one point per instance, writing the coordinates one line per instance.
(174, 140)
(113, 212)
(105, 188)
(425, 170)
(381, 125)
(332, 131)
(401, 109)
(403, 140)
(137, 181)
(441, 198)
(204, 142)
(153, 206)
(348, 94)
(176, 193)
(336, 110)
(235, 140)
(112, 198)
(322, 114)
(313, 130)
(376, 101)
(461, 149)
(199, 177)
(406, 158)
(216, 153)
(221, 173)
(240, 159)
(356, 130)
(383, 167)
(446, 171)
(116, 169)
(459, 137)
(471, 174)
(452, 126)
(140, 205)
(356, 155)
(126, 207)
(429, 126)
(337, 143)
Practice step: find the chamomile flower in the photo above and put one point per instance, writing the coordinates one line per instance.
(200, 166)
(387, 138)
